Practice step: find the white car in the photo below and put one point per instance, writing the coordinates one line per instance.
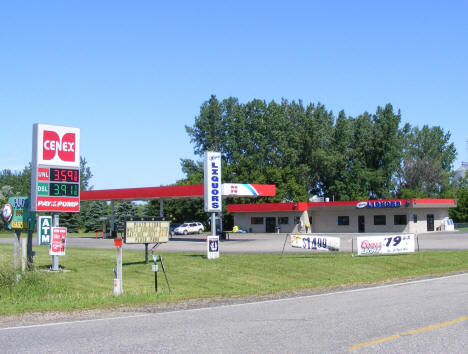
(189, 228)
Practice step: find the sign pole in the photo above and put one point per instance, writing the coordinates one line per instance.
(23, 255)
(16, 249)
(213, 224)
(55, 259)
(30, 251)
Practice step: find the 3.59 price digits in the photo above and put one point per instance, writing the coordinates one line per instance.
(64, 175)
(63, 189)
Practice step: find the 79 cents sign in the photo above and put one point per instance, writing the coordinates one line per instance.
(55, 175)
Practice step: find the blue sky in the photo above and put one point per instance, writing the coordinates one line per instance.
(132, 74)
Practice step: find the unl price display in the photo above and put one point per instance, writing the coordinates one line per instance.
(64, 175)
(63, 190)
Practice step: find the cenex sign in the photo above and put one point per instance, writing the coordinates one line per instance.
(55, 174)
(212, 188)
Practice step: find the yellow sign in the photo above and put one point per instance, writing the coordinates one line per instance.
(20, 224)
(147, 231)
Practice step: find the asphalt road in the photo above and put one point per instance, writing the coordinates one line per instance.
(416, 317)
(265, 243)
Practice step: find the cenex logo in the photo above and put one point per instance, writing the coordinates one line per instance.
(52, 145)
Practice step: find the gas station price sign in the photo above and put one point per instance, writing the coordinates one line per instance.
(55, 177)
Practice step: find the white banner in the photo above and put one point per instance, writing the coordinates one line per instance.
(316, 242)
(391, 244)
(212, 186)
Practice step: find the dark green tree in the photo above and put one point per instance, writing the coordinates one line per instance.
(426, 163)
(123, 210)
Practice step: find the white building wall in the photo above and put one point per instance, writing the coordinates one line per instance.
(243, 220)
(324, 221)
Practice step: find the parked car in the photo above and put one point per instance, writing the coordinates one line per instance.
(172, 227)
(189, 228)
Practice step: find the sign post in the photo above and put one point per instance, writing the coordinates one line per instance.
(212, 187)
(17, 215)
(55, 177)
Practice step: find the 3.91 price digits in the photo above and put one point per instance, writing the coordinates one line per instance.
(63, 189)
(64, 175)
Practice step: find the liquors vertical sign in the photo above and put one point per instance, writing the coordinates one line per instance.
(212, 187)
(55, 175)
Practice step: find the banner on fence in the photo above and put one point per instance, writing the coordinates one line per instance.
(316, 242)
(391, 244)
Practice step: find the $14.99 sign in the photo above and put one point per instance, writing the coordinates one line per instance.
(315, 242)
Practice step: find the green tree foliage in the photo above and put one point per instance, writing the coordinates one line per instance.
(426, 162)
(460, 213)
(124, 210)
(303, 150)
(90, 214)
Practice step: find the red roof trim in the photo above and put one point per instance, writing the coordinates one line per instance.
(432, 201)
(189, 191)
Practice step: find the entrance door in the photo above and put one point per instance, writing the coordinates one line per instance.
(361, 223)
(270, 224)
(430, 222)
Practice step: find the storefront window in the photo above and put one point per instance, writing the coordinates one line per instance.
(399, 219)
(283, 220)
(380, 220)
(343, 220)
(256, 221)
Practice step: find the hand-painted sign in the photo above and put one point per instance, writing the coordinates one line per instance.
(391, 244)
(55, 174)
(212, 182)
(44, 230)
(316, 242)
(17, 213)
(57, 244)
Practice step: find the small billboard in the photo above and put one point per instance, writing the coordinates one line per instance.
(146, 230)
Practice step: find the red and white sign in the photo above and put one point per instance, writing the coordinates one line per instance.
(57, 244)
(62, 204)
(54, 145)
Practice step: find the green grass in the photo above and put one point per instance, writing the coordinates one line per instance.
(192, 276)
(465, 229)
(24, 234)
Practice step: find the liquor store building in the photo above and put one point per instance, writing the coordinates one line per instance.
(372, 216)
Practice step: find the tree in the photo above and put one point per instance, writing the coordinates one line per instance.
(460, 213)
(427, 162)
(123, 210)
(90, 214)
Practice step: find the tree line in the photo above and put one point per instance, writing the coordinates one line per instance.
(305, 150)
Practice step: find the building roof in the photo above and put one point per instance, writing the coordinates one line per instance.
(360, 204)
